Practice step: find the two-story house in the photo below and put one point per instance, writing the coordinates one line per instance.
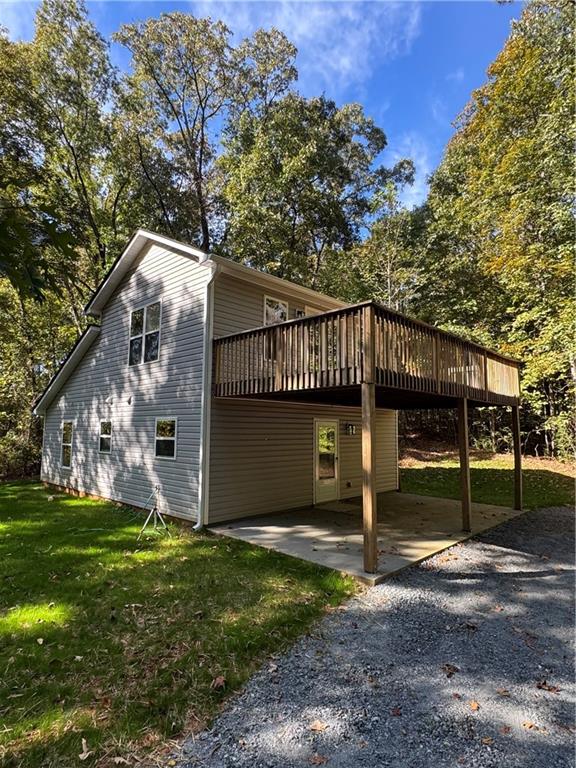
(239, 393)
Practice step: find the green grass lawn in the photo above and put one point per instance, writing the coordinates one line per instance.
(545, 484)
(124, 644)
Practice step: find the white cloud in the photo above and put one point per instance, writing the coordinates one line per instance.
(438, 110)
(457, 76)
(340, 44)
(18, 18)
(414, 146)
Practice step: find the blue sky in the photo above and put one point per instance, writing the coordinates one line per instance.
(412, 65)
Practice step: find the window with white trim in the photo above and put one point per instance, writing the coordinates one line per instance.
(105, 439)
(66, 444)
(275, 310)
(165, 438)
(145, 334)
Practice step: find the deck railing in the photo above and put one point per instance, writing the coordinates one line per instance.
(361, 343)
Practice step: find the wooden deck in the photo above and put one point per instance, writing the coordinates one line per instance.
(363, 343)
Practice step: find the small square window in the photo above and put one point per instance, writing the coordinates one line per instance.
(105, 441)
(165, 439)
(275, 310)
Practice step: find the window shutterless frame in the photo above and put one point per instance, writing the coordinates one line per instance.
(105, 437)
(66, 440)
(278, 302)
(144, 308)
(166, 439)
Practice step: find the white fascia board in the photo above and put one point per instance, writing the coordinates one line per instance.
(272, 282)
(125, 261)
(58, 380)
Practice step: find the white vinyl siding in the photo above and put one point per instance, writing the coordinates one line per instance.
(262, 455)
(104, 387)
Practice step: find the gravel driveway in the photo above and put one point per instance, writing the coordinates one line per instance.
(466, 660)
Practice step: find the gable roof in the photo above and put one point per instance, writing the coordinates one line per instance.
(142, 237)
(120, 268)
(127, 258)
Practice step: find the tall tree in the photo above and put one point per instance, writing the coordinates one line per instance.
(186, 83)
(299, 184)
(501, 207)
(386, 265)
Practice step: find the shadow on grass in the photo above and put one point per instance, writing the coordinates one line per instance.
(119, 643)
(542, 488)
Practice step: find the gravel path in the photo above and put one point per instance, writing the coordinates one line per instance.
(465, 660)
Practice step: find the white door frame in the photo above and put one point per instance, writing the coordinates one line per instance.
(336, 424)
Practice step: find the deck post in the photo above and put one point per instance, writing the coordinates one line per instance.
(369, 500)
(368, 388)
(464, 464)
(517, 457)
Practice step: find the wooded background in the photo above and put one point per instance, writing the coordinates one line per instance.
(211, 143)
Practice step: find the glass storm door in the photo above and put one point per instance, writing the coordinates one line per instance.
(326, 461)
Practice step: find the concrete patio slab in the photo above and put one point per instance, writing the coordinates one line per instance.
(410, 528)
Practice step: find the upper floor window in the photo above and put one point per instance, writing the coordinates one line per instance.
(66, 445)
(105, 443)
(145, 334)
(275, 310)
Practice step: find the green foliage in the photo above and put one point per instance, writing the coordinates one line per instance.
(187, 83)
(492, 253)
(501, 206)
(119, 642)
(208, 141)
(300, 182)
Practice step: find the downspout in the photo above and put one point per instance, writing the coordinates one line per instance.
(206, 398)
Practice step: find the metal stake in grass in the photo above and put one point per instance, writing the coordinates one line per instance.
(154, 516)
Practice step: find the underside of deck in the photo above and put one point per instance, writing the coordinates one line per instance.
(410, 528)
(369, 356)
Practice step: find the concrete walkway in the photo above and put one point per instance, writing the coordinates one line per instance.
(410, 528)
(464, 660)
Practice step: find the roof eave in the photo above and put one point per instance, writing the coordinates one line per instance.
(124, 262)
(62, 374)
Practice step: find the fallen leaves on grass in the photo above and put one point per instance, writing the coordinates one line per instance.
(318, 726)
(85, 753)
(474, 706)
(504, 730)
(488, 741)
(318, 760)
(218, 683)
(396, 711)
(503, 692)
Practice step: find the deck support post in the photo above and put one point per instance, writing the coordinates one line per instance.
(517, 457)
(369, 499)
(464, 464)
